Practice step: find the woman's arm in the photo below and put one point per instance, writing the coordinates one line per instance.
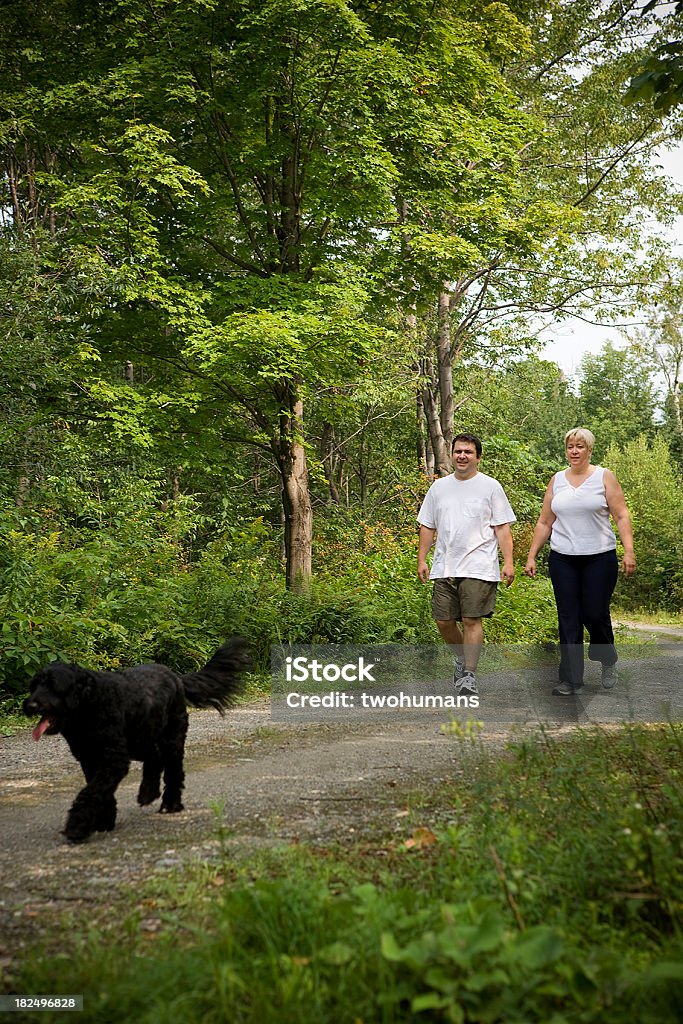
(620, 514)
(542, 530)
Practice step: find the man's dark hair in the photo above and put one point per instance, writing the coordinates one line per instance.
(471, 439)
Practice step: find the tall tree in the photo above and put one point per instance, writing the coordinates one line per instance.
(232, 170)
(661, 343)
(575, 236)
(617, 396)
(659, 79)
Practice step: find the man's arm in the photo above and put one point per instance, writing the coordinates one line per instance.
(427, 536)
(504, 538)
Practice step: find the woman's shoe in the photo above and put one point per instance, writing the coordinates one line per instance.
(566, 690)
(610, 676)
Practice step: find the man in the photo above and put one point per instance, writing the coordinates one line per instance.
(470, 516)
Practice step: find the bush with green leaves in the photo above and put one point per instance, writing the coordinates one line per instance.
(654, 495)
(127, 587)
(106, 597)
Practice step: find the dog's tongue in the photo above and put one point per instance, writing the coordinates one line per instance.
(38, 731)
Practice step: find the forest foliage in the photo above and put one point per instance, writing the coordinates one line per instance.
(259, 260)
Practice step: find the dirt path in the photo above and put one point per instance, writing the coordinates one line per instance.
(275, 784)
(664, 631)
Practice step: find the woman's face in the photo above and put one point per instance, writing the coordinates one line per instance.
(578, 452)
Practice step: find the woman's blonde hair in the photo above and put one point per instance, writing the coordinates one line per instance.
(580, 434)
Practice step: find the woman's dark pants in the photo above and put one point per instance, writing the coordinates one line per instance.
(583, 586)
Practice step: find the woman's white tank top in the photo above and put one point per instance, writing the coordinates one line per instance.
(582, 524)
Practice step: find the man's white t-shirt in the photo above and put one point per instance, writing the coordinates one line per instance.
(464, 512)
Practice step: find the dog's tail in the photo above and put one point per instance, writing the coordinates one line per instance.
(221, 680)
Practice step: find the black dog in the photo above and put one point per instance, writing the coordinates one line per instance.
(140, 714)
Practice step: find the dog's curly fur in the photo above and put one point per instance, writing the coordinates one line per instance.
(140, 714)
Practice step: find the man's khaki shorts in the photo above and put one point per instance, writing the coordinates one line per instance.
(458, 596)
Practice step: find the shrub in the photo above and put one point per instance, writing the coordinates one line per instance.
(654, 495)
(124, 591)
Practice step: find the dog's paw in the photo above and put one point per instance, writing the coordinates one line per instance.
(148, 793)
(105, 819)
(75, 837)
(171, 808)
(106, 825)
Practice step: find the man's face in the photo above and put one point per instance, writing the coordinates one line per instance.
(465, 460)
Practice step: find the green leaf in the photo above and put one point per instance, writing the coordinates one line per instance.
(537, 947)
(337, 954)
(664, 971)
(390, 948)
(433, 1001)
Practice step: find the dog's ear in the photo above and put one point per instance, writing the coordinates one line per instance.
(35, 681)
(75, 686)
(70, 683)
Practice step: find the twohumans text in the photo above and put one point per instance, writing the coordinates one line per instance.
(380, 701)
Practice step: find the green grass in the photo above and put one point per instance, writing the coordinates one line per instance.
(12, 718)
(546, 888)
(648, 618)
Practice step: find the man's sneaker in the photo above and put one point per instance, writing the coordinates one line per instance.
(467, 685)
(610, 676)
(566, 690)
(458, 669)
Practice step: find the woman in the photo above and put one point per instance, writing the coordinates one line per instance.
(583, 564)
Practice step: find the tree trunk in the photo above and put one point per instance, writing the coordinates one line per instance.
(435, 402)
(676, 402)
(442, 455)
(22, 490)
(296, 496)
(421, 434)
(445, 370)
(675, 386)
(328, 461)
(291, 454)
(431, 468)
(362, 483)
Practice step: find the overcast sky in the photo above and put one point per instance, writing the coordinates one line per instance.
(568, 341)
